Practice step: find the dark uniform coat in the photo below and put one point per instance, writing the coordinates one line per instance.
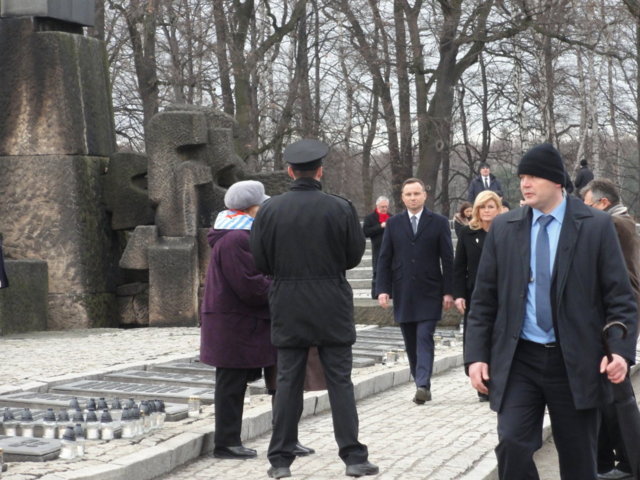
(590, 287)
(417, 271)
(311, 301)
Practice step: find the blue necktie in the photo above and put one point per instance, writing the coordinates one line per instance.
(414, 224)
(544, 316)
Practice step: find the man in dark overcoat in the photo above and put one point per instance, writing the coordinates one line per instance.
(307, 239)
(485, 180)
(373, 227)
(551, 275)
(415, 267)
(603, 195)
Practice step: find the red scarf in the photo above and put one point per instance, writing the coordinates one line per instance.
(382, 217)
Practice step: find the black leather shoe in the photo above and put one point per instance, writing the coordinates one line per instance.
(279, 472)
(240, 452)
(302, 451)
(422, 395)
(362, 469)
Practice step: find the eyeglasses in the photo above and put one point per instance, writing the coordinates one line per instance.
(592, 203)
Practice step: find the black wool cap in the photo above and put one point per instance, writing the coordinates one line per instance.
(543, 161)
(306, 154)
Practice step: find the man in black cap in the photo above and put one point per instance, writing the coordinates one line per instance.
(307, 239)
(484, 181)
(550, 277)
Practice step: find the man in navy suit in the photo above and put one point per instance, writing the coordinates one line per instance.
(415, 267)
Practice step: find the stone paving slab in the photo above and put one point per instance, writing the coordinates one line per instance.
(435, 441)
(138, 391)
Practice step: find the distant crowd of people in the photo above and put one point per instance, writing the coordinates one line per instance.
(535, 287)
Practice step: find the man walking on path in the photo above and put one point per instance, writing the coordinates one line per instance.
(307, 239)
(485, 181)
(415, 267)
(551, 275)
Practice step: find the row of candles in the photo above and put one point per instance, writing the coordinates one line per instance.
(74, 426)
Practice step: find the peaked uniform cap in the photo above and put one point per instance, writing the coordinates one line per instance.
(306, 154)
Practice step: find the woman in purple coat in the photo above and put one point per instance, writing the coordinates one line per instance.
(236, 330)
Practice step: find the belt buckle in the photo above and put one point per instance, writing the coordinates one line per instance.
(550, 345)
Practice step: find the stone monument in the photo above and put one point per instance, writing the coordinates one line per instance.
(56, 137)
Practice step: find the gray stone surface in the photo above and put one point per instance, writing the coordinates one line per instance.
(133, 306)
(21, 449)
(54, 144)
(456, 431)
(139, 391)
(56, 87)
(125, 191)
(176, 138)
(156, 377)
(23, 306)
(52, 210)
(173, 282)
(74, 11)
(136, 254)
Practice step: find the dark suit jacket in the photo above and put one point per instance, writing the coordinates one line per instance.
(372, 229)
(465, 265)
(409, 266)
(590, 287)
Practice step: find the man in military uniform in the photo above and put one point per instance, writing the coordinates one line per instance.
(307, 239)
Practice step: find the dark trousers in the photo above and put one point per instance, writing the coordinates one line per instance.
(337, 363)
(231, 385)
(538, 378)
(418, 342)
(610, 446)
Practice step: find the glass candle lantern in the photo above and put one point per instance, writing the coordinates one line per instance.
(162, 414)
(194, 406)
(26, 423)
(49, 424)
(128, 427)
(78, 431)
(107, 428)
(92, 426)
(9, 423)
(116, 410)
(68, 449)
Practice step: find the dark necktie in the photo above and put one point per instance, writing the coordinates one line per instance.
(543, 276)
(414, 224)
(486, 183)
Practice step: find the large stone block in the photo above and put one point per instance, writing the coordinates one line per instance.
(52, 211)
(125, 191)
(136, 253)
(54, 92)
(82, 12)
(173, 282)
(23, 306)
(82, 310)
